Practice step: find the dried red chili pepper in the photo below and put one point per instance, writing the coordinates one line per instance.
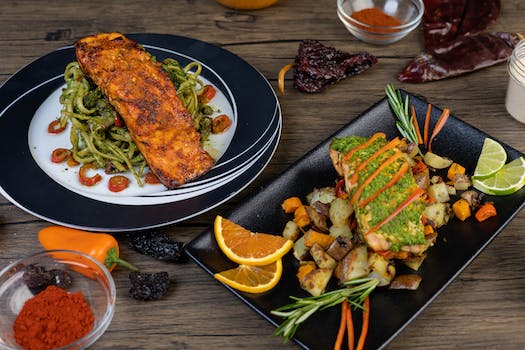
(454, 42)
(463, 55)
(446, 20)
(479, 15)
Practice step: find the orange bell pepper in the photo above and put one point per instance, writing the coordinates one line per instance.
(101, 246)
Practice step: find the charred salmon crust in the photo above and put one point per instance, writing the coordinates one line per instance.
(146, 99)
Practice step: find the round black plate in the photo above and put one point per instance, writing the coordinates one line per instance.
(27, 186)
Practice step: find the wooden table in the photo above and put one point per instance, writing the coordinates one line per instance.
(483, 308)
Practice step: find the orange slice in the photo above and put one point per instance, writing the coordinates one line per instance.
(252, 279)
(248, 248)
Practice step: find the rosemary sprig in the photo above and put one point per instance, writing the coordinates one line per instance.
(355, 291)
(404, 122)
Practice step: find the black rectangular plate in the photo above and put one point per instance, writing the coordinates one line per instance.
(457, 245)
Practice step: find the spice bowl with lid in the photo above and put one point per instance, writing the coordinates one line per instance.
(88, 283)
(380, 22)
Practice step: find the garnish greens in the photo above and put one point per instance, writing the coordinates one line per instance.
(355, 291)
(404, 124)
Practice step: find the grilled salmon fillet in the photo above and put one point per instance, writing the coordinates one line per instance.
(383, 193)
(146, 99)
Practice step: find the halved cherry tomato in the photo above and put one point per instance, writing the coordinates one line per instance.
(118, 121)
(208, 93)
(60, 154)
(118, 183)
(151, 179)
(55, 128)
(86, 180)
(71, 161)
(220, 124)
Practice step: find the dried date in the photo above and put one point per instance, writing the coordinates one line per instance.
(38, 278)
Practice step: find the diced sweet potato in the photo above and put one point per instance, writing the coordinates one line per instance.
(291, 204)
(461, 209)
(311, 237)
(301, 217)
(305, 268)
(454, 169)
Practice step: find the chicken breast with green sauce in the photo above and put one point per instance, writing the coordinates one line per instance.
(382, 190)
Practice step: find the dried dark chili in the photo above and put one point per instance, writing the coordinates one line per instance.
(158, 245)
(38, 278)
(148, 285)
(463, 55)
(318, 66)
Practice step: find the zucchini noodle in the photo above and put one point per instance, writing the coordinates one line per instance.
(189, 88)
(98, 136)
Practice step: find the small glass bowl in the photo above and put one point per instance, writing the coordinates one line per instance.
(409, 12)
(88, 276)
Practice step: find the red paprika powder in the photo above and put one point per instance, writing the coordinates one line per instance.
(376, 17)
(53, 318)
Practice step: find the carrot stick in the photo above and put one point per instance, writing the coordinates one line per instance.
(282, 72)
(371, 140)
(439, 125)
(376, 154)
(416, 125)
(402, 171)
(364, 327)
(413, 196)
(427, 125)
(372, 176)
(350, 328)
(342, 325)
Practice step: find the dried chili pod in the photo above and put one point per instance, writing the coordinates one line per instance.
(148, 286)
(465, 54)
(445, 20)
(479, 15)
(441, 21)
(317, 65)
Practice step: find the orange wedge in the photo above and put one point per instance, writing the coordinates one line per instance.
(252, 279)
(248, 248)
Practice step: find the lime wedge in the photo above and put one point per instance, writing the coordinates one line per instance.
(491, 159)
(506, 181)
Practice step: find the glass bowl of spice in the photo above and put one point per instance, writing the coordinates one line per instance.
(57, 299)
(380, 22)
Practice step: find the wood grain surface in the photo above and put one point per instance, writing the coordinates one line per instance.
(484, 308)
